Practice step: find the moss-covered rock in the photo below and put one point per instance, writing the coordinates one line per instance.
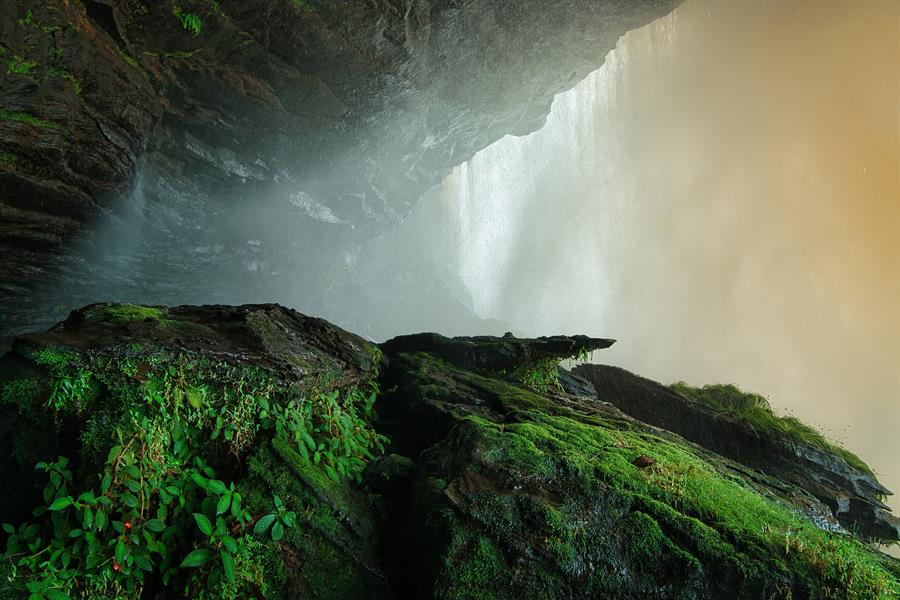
(520, 494)
(219, 452)
(205, 450)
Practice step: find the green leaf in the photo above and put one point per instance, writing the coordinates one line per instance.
(230, 544)
(263, 524)
(9, 528)
(155, 525)
(277, 531)
(203, 523)
(113, 453)
(105, 483)
(56, 594)
(197, 558)
(228, 564)
(223, 504)
(61, 503)
(216, 487)
(100, 519)
(120, 552)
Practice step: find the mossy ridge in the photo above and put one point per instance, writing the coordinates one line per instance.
(229, 405)
(336, 535)
(714, 524)
(756, 411)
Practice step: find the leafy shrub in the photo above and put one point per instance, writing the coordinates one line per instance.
(152, 505)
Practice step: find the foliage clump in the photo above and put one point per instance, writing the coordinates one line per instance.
(756, 411)
(154, 493)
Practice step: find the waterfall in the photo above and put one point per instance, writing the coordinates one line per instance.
(543, 219)
(721, 197)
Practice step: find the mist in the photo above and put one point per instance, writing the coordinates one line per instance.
(723, 197)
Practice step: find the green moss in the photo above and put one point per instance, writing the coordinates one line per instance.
(19, 66)
(128, 58)
(22, 117)
(67, 76)
(755, 410)
(134, 312)
(6, 157)
(541, 376)
(590, 514)
(335, 534)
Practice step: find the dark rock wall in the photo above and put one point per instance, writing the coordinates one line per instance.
(317, 122)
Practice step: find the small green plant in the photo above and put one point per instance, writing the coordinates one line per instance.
(156, 509)
(189, 21)
(541, 376)
(275, 522)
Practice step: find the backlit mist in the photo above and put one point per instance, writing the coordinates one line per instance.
(722, 197)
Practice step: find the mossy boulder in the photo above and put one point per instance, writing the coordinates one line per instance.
(519, 494)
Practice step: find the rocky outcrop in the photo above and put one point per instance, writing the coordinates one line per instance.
(851, 492)
(493, 354)
(233, 453)
(308, 121)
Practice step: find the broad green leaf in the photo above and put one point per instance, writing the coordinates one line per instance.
(155, 525)
(120, 552)
(229, 543)
(203, 523)
(228, 565)
(277, 531)
(61, 503)
(197, 558)
(216, 486)
(224, 503)
(263, 524)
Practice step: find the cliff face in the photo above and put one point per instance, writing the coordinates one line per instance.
(324, 120)
(234, 452)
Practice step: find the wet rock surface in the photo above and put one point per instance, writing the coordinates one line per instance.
(312, 121)
(488, 488)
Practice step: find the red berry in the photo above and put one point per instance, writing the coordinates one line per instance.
(127, 524)
(116, 566)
